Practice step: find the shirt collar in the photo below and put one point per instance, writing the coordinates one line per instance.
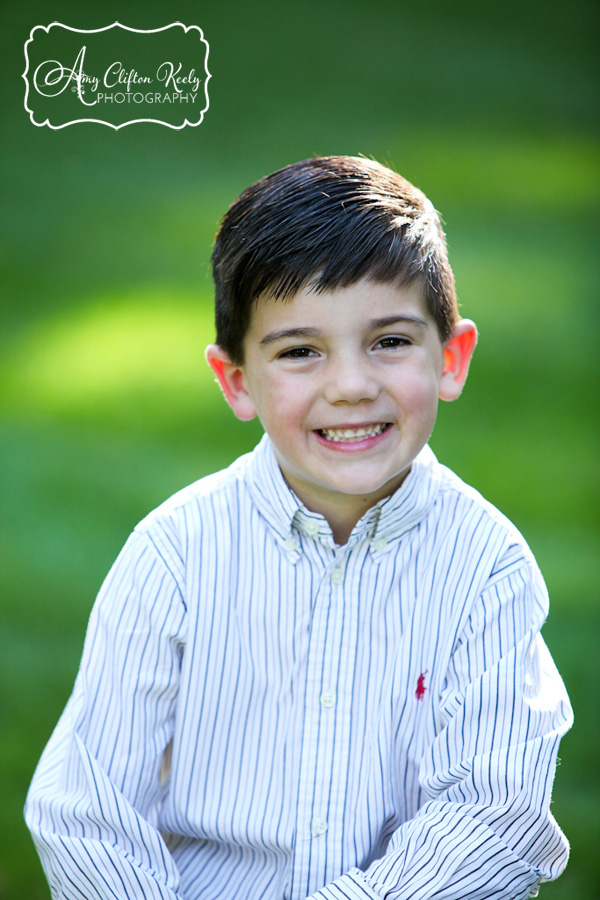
(382, 524)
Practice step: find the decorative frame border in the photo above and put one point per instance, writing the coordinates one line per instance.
(47, 28)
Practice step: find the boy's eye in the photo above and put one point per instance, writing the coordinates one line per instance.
(390, 342)
(297, 353)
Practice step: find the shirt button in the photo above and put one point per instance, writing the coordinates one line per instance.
(318, 826)
(311, 527)
(290, 544)
(337, 576)
(328, 699)
(380, 544)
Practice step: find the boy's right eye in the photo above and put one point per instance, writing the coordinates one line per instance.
(297, 353)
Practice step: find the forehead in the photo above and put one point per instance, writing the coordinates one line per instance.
(337, 311)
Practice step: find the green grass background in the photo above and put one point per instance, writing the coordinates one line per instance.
(106, 404)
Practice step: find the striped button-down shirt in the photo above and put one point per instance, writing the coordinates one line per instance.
(261, 713)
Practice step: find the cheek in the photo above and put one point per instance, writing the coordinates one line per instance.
(418, 393)
(285, 406)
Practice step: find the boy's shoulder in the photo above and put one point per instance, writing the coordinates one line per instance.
(217, 487)
(452, 485)
(472, 512)
(195, 519)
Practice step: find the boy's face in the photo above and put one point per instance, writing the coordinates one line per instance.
(346, 384)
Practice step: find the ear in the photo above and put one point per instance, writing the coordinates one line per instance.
(231, 380)
(457, 358)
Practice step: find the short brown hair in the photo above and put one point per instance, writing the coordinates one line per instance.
(331, 220)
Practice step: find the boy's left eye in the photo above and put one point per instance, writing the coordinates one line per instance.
(391, 341)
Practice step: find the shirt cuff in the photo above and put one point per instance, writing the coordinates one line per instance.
(351, 886)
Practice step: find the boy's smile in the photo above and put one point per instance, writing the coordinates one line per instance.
(346, 384)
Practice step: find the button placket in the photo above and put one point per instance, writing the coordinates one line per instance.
(325, 715)
(314, 767)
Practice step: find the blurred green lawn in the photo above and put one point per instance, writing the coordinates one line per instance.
(106, 404)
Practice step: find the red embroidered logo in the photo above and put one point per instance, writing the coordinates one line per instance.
(420, 691)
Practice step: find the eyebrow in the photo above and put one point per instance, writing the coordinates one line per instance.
(308, 332)
(290, 333)
(392, 320)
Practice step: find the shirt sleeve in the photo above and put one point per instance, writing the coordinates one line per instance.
(94, 803)
(484, 829)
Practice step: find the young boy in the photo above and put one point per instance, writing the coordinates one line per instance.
(319, 672)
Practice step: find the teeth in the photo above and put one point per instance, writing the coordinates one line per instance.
(352, 434)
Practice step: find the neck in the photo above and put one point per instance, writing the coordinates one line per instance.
(342, 511)
(342, 517)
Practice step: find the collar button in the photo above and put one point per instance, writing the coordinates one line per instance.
(380, 544)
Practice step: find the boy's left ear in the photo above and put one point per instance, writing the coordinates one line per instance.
(457, 358)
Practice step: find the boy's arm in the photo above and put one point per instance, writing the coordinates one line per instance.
(93, 804)
(485, 830)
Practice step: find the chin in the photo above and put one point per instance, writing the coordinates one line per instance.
(366, 488)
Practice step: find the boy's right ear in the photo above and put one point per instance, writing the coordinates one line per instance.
(231, 381)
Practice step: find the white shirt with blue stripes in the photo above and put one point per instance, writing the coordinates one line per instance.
(261, 714)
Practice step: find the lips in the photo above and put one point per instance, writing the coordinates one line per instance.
(353, 433)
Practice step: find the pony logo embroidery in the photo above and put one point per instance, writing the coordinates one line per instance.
(420, 691)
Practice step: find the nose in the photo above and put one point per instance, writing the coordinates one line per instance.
(350, 380)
